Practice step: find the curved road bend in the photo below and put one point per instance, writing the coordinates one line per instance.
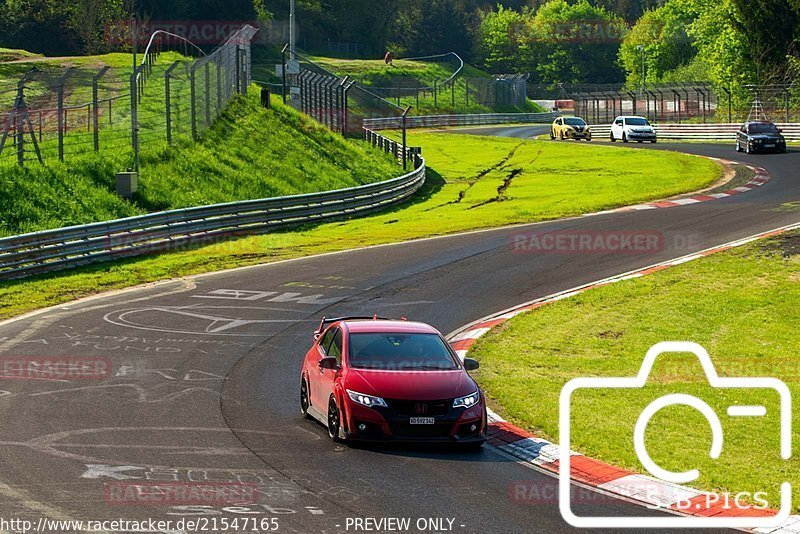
(206, 377)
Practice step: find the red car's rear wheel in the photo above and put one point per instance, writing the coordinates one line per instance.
(304, 403)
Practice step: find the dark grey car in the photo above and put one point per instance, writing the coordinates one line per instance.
(760, 136)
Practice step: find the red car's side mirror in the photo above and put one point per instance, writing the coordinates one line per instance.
(329, 362)
(470, 364)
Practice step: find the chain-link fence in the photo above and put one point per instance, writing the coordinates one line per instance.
(337, 102)
(684, 102)
(55, 114)
(341, 103)
(661, 103)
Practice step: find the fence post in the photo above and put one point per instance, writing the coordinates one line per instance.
(245, 70)
(317, 107)
(345, 108)
(207, 86)
(60, 96)
(453, 93)
(135, 119)
(403, 125)
(283, 72)
(219, 85)
(19, 126)
(168, 100)
(236, 69)
(193, 106)
(466, 92)
(95, 104)
(786, 102)
(435, 97)
(331, 111)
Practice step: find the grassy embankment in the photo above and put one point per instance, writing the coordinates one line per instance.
(412, 74)
(473, 182)
(740, 305)
(249, 152)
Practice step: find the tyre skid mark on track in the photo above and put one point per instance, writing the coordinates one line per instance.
(530, 449)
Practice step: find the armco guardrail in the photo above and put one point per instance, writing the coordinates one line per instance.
(435, 121)
(51, 250)
(722, 132)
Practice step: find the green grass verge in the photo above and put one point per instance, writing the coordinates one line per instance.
(466, 189)
(740, 305)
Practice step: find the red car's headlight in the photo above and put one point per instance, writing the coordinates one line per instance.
(467, 401)
(369, 401)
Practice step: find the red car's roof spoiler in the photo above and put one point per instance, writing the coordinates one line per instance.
(330, 320)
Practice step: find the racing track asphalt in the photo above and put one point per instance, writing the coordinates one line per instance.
(205, 383)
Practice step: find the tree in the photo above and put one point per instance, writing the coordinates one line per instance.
(501, 44)
(88, 19)
(425, 27)
(769, 28)
(663, 34)
(575, 43)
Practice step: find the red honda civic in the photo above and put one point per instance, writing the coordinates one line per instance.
(371, 379)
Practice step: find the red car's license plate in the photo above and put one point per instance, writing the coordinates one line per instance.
(422, 421)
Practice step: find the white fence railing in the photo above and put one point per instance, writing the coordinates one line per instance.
(439, 121)
(688, 132)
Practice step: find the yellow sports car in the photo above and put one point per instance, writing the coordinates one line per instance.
(570, 128)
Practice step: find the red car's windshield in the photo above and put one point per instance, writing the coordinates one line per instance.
(388, 351)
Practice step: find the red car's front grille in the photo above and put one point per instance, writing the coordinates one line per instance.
(410, 408)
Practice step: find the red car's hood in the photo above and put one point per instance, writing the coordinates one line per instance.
(411, 385)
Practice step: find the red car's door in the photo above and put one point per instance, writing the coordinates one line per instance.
(328, 376)
(316, 375)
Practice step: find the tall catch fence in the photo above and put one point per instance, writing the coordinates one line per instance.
(53, 113)
(685, 102)
(335, 101)
(667, 103)
(342, 104)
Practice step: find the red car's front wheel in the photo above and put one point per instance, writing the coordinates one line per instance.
(334, 420)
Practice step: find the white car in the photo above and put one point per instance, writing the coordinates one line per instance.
(632, 128)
